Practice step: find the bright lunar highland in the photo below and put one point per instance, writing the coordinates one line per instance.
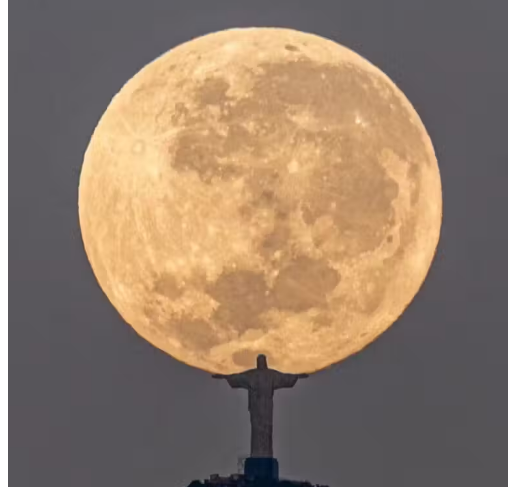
(260, 190)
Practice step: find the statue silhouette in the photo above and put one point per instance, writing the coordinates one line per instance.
(261, 383)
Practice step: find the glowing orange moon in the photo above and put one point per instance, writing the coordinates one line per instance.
(260, 190)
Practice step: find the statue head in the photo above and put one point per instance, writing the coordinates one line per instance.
(261, 362)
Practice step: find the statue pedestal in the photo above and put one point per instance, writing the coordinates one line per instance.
(261, 468)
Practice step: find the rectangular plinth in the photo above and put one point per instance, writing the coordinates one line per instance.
(261, 468)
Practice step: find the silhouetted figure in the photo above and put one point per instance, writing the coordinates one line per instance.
(261, 382)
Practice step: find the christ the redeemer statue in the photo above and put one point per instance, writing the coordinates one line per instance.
(261, 382)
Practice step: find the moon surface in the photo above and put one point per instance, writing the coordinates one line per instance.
(260, 190)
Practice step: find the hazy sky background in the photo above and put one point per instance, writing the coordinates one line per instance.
(92, 404)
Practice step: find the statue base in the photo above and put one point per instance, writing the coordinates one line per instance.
(261, 468)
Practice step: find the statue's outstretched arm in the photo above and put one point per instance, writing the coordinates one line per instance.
(236, 381)
(284, 381)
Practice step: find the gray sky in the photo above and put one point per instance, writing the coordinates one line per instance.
(91, 403)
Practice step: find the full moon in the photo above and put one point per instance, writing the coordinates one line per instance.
(260, 190)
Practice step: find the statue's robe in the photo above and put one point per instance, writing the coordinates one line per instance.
(261, 384)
